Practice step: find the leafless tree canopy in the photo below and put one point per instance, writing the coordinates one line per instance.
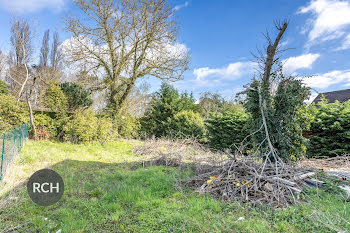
(44, 52)
(56, 52)
(122, 41)
(21, 42)
(2, 62)
(19, 74)
(21, 38)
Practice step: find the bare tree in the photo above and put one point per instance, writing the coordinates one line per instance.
(19, 70)
(138, 100)
(44, 51)
(121, 41)
(21, 38)
(48, 69)
(2, 62)
(56, 53)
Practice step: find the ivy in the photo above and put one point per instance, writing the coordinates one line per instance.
(283, 99)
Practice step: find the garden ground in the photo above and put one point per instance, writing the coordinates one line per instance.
(160, 207)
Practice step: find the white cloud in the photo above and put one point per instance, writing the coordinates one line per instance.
(232, 71)
(345, 44)
(178, 7)
(327, 79)
(284, 43)
(330, 17)
(304, 61)
(29, 6)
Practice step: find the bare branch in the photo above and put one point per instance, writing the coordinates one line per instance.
(124, 41)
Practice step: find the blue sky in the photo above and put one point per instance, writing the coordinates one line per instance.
(222, 34)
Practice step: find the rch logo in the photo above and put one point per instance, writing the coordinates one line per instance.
(45, 187)
(37, 187)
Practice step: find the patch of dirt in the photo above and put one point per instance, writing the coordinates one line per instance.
(338, 163)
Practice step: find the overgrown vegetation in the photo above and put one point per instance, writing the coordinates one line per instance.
(227, 129)
(280, 109)
(330, 129)
(12, 113)
(85, 127)
(161, 207)
(77, 96)
(165, 104)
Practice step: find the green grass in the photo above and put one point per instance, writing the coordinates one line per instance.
(160, 207)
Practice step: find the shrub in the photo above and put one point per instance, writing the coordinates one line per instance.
(82, 127)
(3, 88)
(227, 128)
(76, 95)
(12, 113)
(47, 124)
(165, 104)
(55, 99)
(127, 126)
(85, 126)
(187, 124)
(105, 129)
(330, 129)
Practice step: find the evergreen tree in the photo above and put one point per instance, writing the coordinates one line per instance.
(76, 95)
(165, 104)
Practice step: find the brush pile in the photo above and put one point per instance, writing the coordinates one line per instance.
(230, 177)
(178, 153)
(247, 180)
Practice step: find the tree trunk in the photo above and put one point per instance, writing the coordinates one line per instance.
(32, 120)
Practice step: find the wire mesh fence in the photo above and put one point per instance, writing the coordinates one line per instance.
(11, 145)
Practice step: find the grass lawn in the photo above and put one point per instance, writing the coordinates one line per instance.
(159, 207)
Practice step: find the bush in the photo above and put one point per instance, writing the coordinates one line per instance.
(12, 113)
(76, 95)
(47, 124)
(3, 88)
(187, 124)
(127, 126)
(105, 129)
(227, 128)
(330, 129)
(55, 99)
(85, 127)
(81, 128)
(165, 104)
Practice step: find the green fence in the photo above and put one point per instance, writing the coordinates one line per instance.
(11, 145)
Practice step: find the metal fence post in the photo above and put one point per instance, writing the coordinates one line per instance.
(20, 141)
(14, 142)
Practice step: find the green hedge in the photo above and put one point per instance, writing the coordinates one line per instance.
(227, 128)
(12, 113)
(330, 129)
(187, 124)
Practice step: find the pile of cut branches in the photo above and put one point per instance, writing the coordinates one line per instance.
(248, 180)
(178, 153)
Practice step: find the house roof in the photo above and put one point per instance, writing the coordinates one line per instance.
(332, 96)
